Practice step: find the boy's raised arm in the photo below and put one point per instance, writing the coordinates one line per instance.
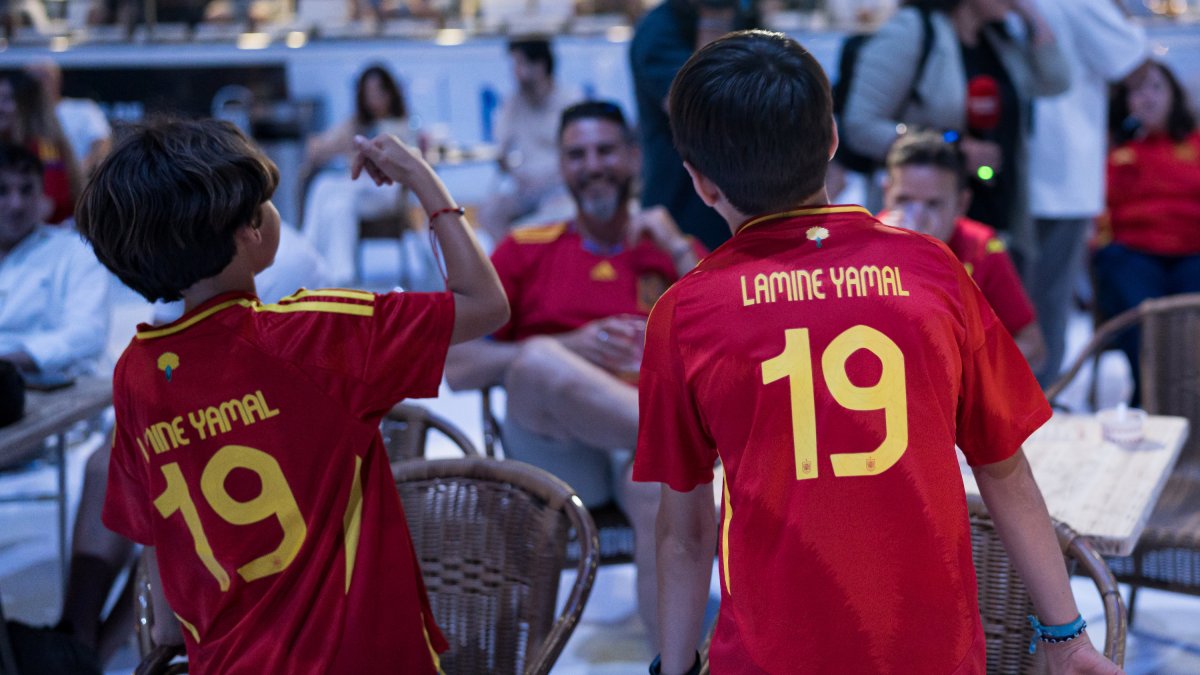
(1015, 504)
(480, 304)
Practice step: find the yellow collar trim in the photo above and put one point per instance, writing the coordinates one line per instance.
(811, 211)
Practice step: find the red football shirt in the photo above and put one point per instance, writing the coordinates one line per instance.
(834, 380)
(1154, 195)
(555, 283)
(248, 454)
(986, 260)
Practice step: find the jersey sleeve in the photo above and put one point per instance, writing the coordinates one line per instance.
(506, 260)
(1002, 287)
(1000, 402)
(673, 445)
(127, 502)
(407, 354)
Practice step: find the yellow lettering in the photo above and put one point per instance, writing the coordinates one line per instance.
(762, 292)
(853, 283)
(888, 282)
(268, 413)
(838, 276)
(142, 447)
(781, 282)
(233, 410)
(899, 285)
(746, 300)
(815, 285)
(251, 404)
(870, 278)
(196, 419)
(217, 424)
(178, 432)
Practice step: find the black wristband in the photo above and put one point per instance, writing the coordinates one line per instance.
(656, 666)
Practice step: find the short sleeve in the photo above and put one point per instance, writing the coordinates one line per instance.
(409, 339)
(506, 260)
(1000, 402)
(127, 503)
(673, 445)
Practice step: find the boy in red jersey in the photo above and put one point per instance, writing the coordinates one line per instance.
(927, 191)
(834, 362)
(247, 455)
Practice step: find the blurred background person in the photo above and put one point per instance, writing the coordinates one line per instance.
(977, 82)
(334, 203)
(28, 120)
(1150, 239)
(82, 121)
(926, 190)
(1067, 151)
(526, 131)
(663, 41)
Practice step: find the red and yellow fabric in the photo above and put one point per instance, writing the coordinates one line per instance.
(1154, 196)
(986, 259)
(248, 453)
(556, 284)
(56, 181)
(833, 363)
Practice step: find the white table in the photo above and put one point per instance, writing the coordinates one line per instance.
(1104, 491)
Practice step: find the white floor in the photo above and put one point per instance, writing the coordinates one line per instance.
(610, 639)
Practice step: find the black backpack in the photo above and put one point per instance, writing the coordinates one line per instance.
(847, 61)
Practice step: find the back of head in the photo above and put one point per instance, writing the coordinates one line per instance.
(928, 148)
(162, 209)
(752, 112)
(534, 49)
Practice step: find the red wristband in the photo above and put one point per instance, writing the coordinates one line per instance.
(460, 211)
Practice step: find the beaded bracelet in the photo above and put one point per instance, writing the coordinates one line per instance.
(449, 209)
(1064, 632)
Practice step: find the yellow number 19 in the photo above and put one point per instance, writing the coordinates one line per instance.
(889, 394)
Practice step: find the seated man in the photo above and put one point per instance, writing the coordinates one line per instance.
(54, 315)
(926, 190)
(580, 292)
(54, 308)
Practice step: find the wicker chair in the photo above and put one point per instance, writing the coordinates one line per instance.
(491, 538)
(1168, 554)
(406, 430)
(616, 534)
(1004, 603)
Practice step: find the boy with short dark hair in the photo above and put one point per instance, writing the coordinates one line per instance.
(834, 362)
(926, 191)
(247, 451)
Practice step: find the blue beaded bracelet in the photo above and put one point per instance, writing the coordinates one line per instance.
(1064, 632)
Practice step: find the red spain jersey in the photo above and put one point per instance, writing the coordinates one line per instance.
(1152, 195)
(986, 259)
(556, 284)
(832, 363)
(248, 454)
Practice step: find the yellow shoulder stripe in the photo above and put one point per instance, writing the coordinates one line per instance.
(347, 308)
(995, 246)
(542, 234)
(346, 293)
(190, 628)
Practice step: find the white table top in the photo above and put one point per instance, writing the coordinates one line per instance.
(1104, 491)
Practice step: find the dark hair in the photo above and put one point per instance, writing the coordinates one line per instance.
(18, 159)
(1180, 122)
(163, 207)
(35, 116)
(602, 110)
(535, 49)
(928, 148)
(752, 112)
(946, 6)
(396, 104)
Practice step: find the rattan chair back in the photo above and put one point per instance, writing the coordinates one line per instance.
(1170, 365)
(406, 429)
(491, 539)
(1004, 602)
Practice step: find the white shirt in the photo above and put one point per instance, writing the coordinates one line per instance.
(1067, 150)
(54, 301)
(297, 265)
(84, 123)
